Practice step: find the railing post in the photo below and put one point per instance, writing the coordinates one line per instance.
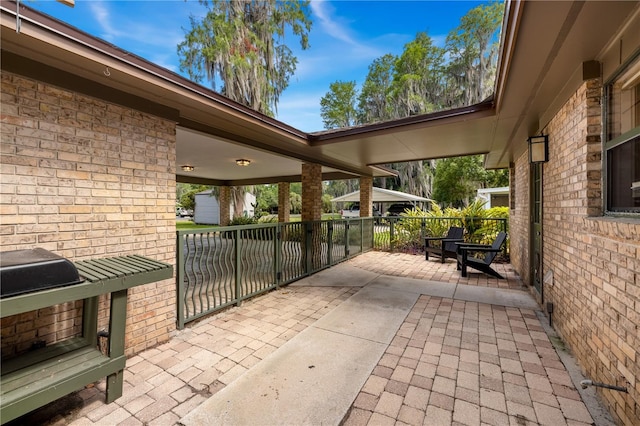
(423, 230)
(236, 267)
(277, 255)
(330, 243)
(346, 239)
(362, 221)
(180, 281)
(391, 233)
(308, 252)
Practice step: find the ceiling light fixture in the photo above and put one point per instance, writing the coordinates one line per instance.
(243, 162)
(187, 168)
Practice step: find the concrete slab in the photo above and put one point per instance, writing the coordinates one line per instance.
(496, 296)
(315, 377)
(311, 380)
(341, 275)
(373, 313)
(429, 288)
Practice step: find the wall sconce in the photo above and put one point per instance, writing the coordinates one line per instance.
(243, 162)
(538, 149)
(187, 168)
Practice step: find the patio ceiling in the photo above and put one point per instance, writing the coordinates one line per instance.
(543, 48)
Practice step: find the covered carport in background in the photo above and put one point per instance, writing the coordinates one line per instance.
(383, 197)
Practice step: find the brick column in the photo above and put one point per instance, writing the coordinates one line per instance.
(284, 201)
(312, 211)
(311, 192)
(225, 205)
(366, 196)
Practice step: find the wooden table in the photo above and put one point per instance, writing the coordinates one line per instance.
(41, 376)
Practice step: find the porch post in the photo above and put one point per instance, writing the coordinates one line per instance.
(284, 201)
(311, 215)
(311, 192)
(366, 196)
(225, 205)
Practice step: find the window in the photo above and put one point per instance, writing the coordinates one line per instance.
(622, 147)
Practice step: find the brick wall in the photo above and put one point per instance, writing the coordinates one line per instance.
(519, 217)
(86, 179)
(595, 259)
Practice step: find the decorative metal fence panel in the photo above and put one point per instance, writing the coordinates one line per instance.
(292, 259)
(219, 267)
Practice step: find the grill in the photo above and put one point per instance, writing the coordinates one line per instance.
(26, 271)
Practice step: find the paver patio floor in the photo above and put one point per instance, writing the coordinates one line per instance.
(451, 361)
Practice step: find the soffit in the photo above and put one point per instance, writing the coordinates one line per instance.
(553, 41)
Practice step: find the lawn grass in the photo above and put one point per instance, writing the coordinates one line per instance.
(183, 225)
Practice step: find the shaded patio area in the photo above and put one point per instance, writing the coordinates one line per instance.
(454, 353)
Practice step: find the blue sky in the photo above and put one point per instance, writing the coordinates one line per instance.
(345, 38)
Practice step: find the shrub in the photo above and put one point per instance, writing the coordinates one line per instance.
(242, 220)
(408, 230)
(269, 218)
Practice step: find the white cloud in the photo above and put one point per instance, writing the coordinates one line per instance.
(103, 18)
(337, 28)
(323, 10)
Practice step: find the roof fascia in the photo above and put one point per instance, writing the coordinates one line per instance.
(510, 26)
(65, 34)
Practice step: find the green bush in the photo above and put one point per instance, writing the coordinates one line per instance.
(242, 220)
(478, 222)
(269, 218)
(408, 230)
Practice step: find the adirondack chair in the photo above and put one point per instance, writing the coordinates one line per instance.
(484, 264)
(447, 247)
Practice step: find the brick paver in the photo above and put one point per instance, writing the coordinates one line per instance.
(499, 392)
(451, 361)
(415, 266)
(205, 357)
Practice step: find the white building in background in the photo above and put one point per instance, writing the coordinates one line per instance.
(207, 210)
(494, 197)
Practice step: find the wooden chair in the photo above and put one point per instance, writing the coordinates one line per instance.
(483, 264)
(447, 247)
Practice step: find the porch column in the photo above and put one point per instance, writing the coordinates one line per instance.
(311, 192)
(284, 201)
(366, 196)
(225, 205)
(312, 211)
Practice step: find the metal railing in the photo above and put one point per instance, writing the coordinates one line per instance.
(222, 266)
(408, 233)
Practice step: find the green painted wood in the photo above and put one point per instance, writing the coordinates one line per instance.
(94, 286)
(42, 376)
(117, 325)
(90, 320)
(52, 351)
(54, 379)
